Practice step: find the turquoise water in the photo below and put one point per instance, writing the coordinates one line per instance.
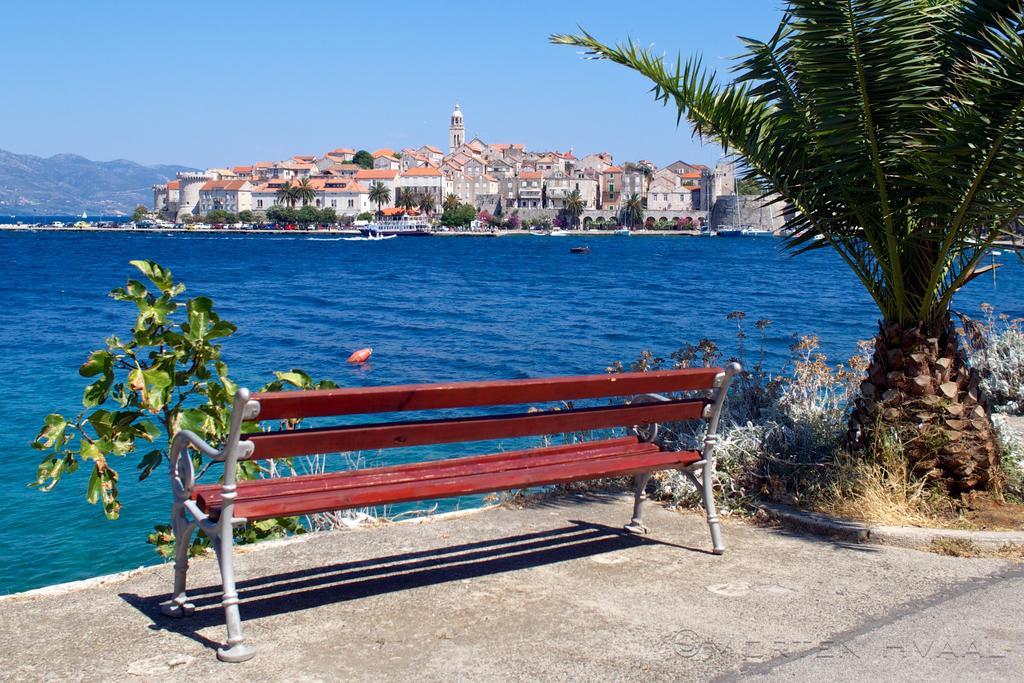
(432, 309)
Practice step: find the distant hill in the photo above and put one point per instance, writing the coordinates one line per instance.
(67, 184)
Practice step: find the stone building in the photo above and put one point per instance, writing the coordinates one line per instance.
(456, 130)
(225, 195)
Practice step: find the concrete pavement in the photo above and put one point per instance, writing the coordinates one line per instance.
(550, 591)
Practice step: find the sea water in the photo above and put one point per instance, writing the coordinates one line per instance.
(432, 309)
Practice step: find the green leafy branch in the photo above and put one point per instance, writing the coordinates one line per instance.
(165, 376)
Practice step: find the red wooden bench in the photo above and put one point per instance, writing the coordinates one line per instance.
(646, 401)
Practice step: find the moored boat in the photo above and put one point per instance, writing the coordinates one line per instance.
(397, 222)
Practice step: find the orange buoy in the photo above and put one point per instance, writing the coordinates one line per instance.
(361, 356)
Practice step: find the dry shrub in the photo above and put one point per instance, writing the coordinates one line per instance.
(783, 438)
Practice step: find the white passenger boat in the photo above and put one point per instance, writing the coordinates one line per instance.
(398, 223)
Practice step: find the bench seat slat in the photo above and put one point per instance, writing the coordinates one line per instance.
(633, 459)
(363, 400)
(367, 437)
(209, 495)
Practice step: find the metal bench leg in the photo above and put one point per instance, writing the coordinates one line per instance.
(636, 525)
(708, 475)
(179, 606)
(236, 649)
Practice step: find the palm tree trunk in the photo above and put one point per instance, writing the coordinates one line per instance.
(920, 387)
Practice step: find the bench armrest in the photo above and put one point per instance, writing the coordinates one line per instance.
(183, 476)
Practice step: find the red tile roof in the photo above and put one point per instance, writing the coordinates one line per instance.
(421, 171)
(383, 152)
(377, 174)
(174, 185)
(228, 185)
(347, 188)
(530, 175)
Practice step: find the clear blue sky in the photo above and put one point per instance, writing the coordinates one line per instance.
(220, 83)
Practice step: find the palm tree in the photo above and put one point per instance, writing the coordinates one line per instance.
(380, 194)
(895, 128)
(406, 198)
(574, 206)
(451, 202)
(633, 210)
(286, 194)
(427, 203)
(304, 192)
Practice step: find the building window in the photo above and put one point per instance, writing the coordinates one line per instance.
(259, 203)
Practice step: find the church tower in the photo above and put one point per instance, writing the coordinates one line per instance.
(457, 130)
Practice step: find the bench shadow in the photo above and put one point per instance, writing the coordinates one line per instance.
(294, 591)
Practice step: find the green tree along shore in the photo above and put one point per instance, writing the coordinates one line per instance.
(896, 131)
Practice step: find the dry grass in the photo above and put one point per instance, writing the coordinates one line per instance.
(878, 489)
(955, 547)
(961, 547)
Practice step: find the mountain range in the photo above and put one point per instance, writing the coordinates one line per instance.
(68, 184)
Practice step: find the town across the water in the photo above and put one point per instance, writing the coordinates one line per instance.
(476, 183)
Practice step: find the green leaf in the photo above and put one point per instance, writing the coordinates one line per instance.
(221, 328)
(157, 274)
(295, 377)
(97, 392)
(102, 421)
(195, 420)
(133, 291)
(148, 431)
(200, 304)
(158, 385)
(53, 433)
(99, 361)
(91, 450)
(149, 462)
(95, 487)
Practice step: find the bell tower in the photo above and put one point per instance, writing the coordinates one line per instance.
(456, 131)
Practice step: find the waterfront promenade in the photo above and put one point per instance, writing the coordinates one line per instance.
(550, 591)
(338, 231)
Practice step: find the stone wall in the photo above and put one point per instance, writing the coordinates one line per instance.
(741, 210)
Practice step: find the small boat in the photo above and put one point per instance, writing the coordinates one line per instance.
(557, 233)
(728, 231)
(750, 231)
(625, 232)
(58, 224)
(579, 250)
(370, 237)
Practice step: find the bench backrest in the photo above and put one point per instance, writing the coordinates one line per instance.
(417, 397)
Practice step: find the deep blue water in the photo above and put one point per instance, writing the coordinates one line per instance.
(432, 309)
